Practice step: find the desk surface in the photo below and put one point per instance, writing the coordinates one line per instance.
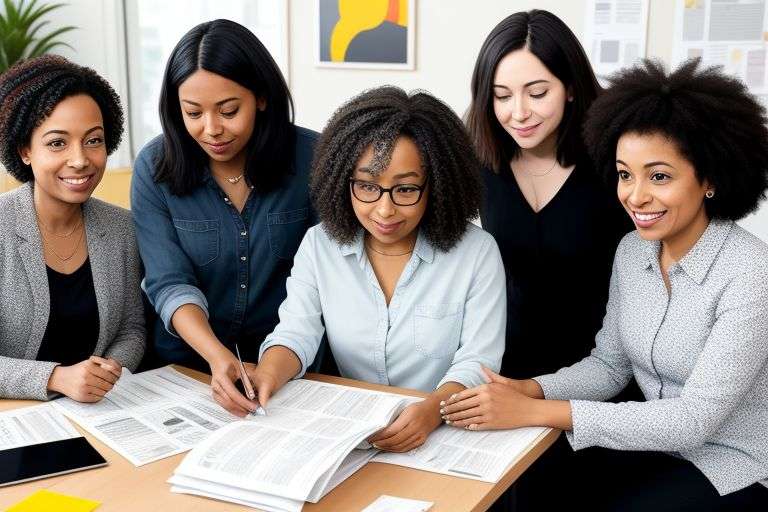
(122, 486)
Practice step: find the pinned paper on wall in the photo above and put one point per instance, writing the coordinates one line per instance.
(615, 34)
(375, 34)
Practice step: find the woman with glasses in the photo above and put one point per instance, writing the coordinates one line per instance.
(408, 292)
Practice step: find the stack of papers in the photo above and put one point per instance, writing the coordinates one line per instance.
(34, 425)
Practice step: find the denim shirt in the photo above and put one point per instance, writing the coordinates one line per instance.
(446, 317)
(198, 249)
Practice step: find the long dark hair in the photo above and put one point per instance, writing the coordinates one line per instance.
(548, 38)
(230, 50)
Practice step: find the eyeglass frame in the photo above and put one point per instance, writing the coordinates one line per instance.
(389, 190)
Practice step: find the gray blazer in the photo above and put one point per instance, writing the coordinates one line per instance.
(699, 354)
(25, 298)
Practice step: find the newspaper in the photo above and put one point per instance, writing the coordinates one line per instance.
(150, 415)
(33, 425)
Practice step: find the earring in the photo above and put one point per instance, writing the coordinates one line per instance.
(709, 194)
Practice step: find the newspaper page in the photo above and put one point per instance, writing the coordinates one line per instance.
(615, 34)
(34, 425)
(729, 33)
(481, 456)
(150, 415)
(295, 451)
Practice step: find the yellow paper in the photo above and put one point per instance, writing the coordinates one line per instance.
(46, 501)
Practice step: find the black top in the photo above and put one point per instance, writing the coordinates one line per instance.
(558, 264)
(73, 323)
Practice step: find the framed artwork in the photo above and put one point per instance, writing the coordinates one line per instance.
(369, 34)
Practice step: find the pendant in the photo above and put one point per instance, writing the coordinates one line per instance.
(235, 179)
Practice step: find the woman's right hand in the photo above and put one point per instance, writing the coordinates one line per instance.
(225, 371)
(86, 381)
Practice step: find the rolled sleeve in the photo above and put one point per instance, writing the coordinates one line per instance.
(485, 319)
(173, 297)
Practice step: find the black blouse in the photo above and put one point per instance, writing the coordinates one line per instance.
(558, 264)
(73, 322)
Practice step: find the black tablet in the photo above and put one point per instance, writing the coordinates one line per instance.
(47, 459)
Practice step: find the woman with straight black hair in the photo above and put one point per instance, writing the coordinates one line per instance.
(220, 201)
(555, 220)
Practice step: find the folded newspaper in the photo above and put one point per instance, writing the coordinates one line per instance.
(314, 437)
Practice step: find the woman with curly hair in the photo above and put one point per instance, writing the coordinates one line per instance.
(221, 203)
(408, 292)
(69, 267)
(687, 314)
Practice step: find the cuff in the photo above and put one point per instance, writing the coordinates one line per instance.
(585, 432)
(551, 386)
(468, 376)
(177, 296)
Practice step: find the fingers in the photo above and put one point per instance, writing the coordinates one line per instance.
(462, 415)
(392, 443)
(463, 405)
(462, 395)
(108, 364)
(473, 423)
(264, 390)
(97, 371)
(491, 376)
(397, 426)
(223, 400)
(227, 388)
(407, 444)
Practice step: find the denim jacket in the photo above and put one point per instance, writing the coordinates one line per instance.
(198, 249)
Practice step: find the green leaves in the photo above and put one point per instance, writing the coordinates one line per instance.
(19, 28)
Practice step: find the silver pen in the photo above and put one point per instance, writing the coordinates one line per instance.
(247, 385)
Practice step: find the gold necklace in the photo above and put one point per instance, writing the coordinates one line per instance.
(234, 179)
(47, 243)
(49, 230)
(385, 254)
(542, 174)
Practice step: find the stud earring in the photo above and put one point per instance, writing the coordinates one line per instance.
(709, 194)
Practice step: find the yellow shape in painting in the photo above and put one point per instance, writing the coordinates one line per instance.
(355, 16)
(402, 13)
(736, 55)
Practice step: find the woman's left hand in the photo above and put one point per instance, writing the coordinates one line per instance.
(410, 429)
(495, 405)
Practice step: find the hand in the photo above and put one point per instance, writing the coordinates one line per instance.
(86, 381)
(265, 382)
(225, 371)
(498, 404)
(410, 429)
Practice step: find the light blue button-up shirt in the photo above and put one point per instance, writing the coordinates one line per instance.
(447, 315)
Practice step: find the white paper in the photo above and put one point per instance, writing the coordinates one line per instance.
(729, 33)
(468, 454)
(615, 34)
(34, 425)
(385, 503)
(150, 415)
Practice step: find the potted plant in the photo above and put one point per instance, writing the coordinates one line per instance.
(20, 27)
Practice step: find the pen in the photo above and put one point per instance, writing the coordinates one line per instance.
(247, 383)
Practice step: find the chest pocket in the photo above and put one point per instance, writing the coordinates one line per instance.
(286, 229)
(199, 239)
(436, 329)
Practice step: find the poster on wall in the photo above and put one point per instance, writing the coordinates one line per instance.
(729, 33)
(374, 34)
(615, 35)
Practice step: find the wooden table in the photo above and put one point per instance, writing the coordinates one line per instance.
(122, 486)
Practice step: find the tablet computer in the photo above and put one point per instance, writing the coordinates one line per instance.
(42, 460)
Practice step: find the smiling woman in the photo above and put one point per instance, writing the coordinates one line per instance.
(75, 258)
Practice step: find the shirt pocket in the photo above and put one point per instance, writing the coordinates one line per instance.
(436, 329)
(286, 229)
(199, 239)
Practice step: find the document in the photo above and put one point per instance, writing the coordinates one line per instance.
(150, 415)
(386, 503)
(33, 425)
(615, 34)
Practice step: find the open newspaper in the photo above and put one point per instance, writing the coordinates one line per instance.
(314, 437)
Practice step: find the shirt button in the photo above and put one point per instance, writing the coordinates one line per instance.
(226, 199)
(242, 258)
(243, 233)
(242, 286)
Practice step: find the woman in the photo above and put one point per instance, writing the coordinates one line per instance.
(69, 268)
(220, 203)
(408, 292)
(687, 314)
(555, 220)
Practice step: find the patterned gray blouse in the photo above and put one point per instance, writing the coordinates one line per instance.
(699, 354)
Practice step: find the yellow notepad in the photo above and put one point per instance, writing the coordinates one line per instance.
(45, 501)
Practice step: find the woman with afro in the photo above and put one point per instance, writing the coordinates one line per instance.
(71, 313)
(407, 290)
(687, 314)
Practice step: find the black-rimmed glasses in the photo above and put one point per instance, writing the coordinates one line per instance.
(404, 194)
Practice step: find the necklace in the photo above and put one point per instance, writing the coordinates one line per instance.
(234, 179)
(542, 174)
(385, 254)
(47, 243)
(50, 231)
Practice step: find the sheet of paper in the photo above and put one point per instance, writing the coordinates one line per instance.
(730, 33)
(475, 455)
(150, 415)
(385, 503)
(47, 501)
(34, 425)
(615, 34)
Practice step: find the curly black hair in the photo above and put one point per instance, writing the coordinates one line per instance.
(31, 89)
(377, 118)
(716, 124)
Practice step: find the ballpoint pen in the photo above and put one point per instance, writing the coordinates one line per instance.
(249, 392)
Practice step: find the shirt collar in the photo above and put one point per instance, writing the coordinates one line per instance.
(697, 262)
(423, 249)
